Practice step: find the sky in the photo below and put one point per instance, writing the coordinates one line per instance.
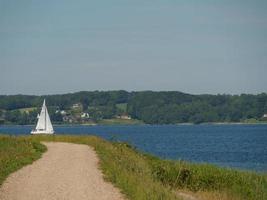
(197, 47)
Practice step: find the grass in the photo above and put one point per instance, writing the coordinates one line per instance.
(122, 106)
(17, 152)
(210, 180)
(254, 121)
(27, 110)
(144, 177)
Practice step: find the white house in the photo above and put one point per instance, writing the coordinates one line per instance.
(85, 115)
(124, 116)
(77, 105)
(63, 112)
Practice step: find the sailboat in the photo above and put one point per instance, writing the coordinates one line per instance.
(44, 125)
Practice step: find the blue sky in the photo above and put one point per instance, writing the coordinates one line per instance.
(54, 46)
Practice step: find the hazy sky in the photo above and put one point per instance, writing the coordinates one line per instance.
(212, 46)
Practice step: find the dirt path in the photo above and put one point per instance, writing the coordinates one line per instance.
(66, 171)
(186, 196)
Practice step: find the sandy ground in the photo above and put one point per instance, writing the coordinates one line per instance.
(66, 171)
(185, 196)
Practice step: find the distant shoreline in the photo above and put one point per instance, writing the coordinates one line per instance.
(178, 124)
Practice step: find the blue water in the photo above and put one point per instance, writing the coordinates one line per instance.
(235, 146)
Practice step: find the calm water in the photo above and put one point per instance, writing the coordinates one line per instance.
(238, 146)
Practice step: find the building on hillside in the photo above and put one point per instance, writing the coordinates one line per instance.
(123, 116)
(76, 105)
(85, 115)
(264, 116)
(63, 112)
(69, 119)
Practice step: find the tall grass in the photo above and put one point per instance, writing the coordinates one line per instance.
(204, 177)
(16, 152)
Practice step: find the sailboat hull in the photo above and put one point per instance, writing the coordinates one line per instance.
(36, 132)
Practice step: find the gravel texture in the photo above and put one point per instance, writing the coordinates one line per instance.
(65, 172)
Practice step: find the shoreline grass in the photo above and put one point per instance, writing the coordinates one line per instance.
(139, 122)
(15, 152)
(141, 176)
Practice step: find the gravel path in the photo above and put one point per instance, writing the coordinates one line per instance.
(185, 196)
(66, 171)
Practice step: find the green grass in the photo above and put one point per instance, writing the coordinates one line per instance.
(254, 121)
(144, 177)
(120, 122)
(122, 106)
(17, 152)
(205, 177)
(27, 110)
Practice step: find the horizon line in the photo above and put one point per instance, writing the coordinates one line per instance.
(131, 91)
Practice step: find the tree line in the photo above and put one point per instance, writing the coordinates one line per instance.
(168, 107)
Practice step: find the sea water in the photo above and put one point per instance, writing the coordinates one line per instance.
(235, 146)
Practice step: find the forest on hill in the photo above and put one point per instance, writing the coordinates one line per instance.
(151, 107)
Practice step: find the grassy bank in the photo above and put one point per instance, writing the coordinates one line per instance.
(142, 176)
(17, 152)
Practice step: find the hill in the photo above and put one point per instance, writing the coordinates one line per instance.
(169, 107)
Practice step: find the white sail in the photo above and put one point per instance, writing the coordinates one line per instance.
(41, 118)
(44, 125)
(49, 126)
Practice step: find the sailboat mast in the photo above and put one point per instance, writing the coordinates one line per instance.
(45, 115)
